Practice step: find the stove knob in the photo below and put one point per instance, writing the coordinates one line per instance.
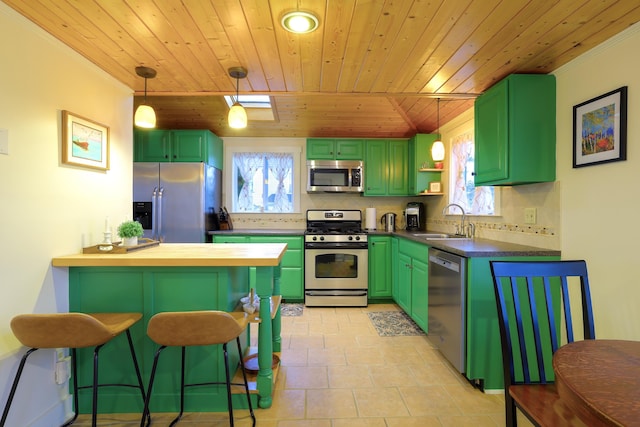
(321, 237)
(350, 237)
(357, 237)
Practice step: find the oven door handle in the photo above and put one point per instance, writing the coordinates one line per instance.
(329, 246)
(336, 293)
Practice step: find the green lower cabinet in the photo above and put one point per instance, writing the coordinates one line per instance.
(484, 350)
(292, 265)
(419, 293)
(412, 272)
(380, 268)
(394, 268)
(151, 290)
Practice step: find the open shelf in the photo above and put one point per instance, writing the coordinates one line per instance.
(255, 316)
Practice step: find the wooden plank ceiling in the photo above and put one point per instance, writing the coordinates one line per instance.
(374, 68)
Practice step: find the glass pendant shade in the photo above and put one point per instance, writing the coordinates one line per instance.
(237, 116)
(437, 151)
(145, 117)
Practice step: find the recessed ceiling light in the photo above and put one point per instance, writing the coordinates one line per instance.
(299, 22)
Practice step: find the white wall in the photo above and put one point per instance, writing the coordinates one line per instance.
(599, 204)
(49, 209)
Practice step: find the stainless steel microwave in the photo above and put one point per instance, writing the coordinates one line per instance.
(335, 176)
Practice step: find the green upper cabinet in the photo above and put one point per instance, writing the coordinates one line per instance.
(515, 131)
(177, 146)
(334, 149)
(419, 156)
(386, 167)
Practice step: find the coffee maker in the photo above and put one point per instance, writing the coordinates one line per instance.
(415, 216)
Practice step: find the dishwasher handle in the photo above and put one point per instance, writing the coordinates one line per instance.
(449, 265)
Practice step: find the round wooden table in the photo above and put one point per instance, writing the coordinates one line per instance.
(600, 378)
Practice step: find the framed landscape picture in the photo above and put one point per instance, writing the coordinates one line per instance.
(600, 129)
(84, 142)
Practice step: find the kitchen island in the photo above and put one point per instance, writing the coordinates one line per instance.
(175, 277)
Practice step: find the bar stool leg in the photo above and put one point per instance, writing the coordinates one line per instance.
(226, 371)
(182, 369)
(14, 386)
(246, 383)
(146, 413)
(136, 366)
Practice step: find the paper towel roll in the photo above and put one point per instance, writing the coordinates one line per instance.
(371, 219)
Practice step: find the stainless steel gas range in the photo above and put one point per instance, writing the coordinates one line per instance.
(335, 259)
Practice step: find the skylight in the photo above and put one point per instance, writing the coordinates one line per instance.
(250, 101)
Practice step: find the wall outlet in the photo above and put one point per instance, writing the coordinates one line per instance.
(530, 215)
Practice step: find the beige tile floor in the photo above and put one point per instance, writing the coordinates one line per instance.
(337, 372)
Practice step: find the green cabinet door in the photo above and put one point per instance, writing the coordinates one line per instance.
(376, 172)
(419, 293)
(398, 165)
(491, 143)
(320, 149)
(349, 149)
(334, 149)
(152, 145)
(380, 267)
(394, 268)
(178, 146)
(188, 146)
(404, 282)
(515, 131)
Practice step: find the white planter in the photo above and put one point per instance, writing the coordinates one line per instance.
(130, 241)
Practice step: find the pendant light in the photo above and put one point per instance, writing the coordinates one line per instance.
(437, 148)
(145, 117)
(237, 114)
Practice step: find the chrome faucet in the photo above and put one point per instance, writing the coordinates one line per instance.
(460, 230)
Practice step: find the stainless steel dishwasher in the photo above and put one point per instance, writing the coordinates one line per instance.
(447, 290)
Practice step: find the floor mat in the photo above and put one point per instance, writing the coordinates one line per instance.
(394, 324)
(291, 309)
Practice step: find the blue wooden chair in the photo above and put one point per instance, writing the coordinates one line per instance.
(541, 306)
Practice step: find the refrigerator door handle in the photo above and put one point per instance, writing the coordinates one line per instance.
(154, 213)
(160, 194)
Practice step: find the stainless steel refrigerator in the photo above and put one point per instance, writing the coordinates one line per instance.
(176, 202)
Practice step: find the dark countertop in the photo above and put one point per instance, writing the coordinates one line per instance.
(464, 247)
(478, 247)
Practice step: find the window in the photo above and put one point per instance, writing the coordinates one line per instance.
(474, 200)
(263, 182)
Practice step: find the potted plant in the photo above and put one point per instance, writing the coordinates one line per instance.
(130, 231)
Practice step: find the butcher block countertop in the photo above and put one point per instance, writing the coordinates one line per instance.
(184, 255)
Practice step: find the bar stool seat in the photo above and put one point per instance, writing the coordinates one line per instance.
(73, 331)
(197, 328)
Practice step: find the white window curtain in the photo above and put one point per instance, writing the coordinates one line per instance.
(248, 164)
(280, 167)
(474, 200)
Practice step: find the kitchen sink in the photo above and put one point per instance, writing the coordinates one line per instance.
(438, 236)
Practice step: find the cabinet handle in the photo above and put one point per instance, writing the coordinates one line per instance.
(339, 153)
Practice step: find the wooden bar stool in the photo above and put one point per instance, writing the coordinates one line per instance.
(197, 328)
(73, 331)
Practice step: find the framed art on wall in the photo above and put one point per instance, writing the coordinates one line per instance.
(435, 187)
(84, 142)
(600, 129)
